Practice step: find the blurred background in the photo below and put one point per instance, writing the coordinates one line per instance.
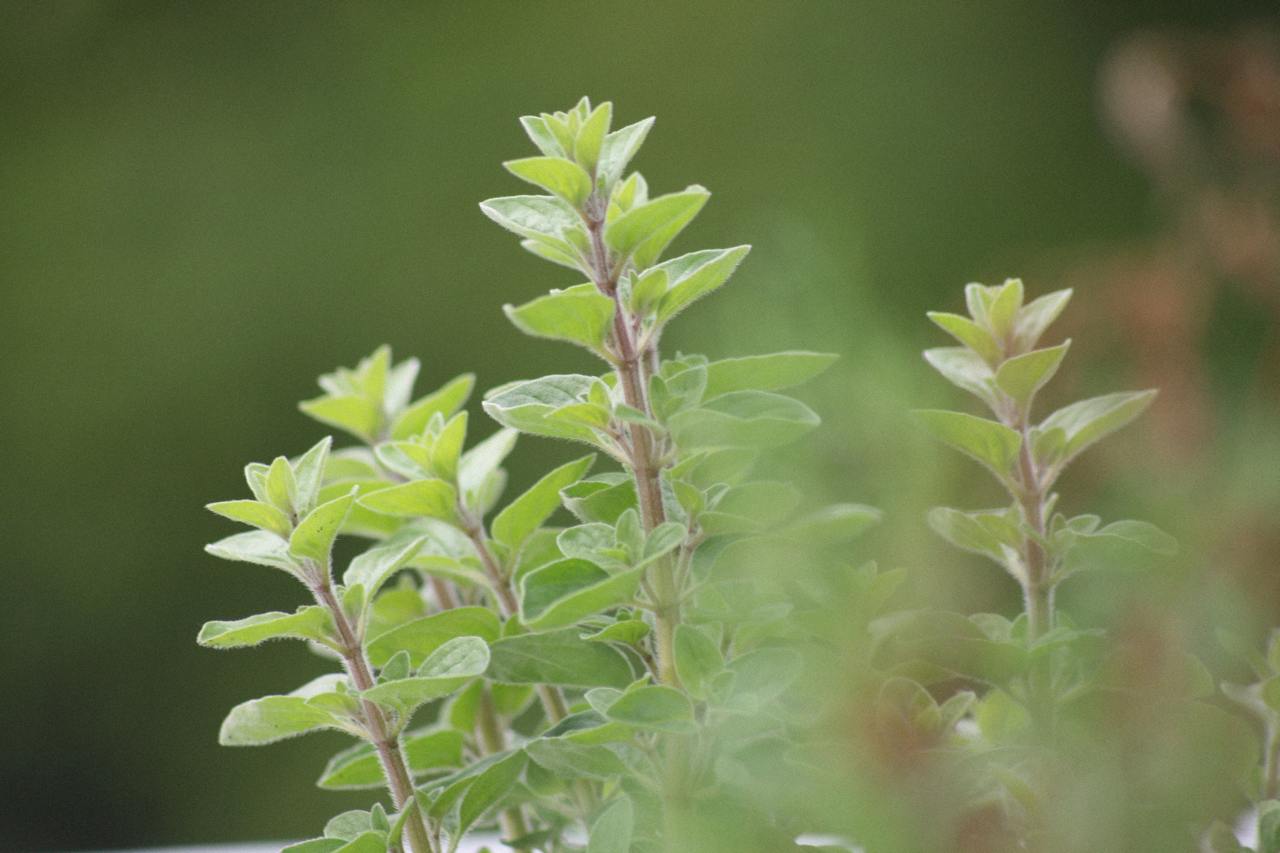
(203, 206)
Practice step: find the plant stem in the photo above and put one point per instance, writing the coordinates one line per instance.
(1037, 587)
(1271, 764)
(553, 704)
(630, 366)
(385, 739)
(492, 739)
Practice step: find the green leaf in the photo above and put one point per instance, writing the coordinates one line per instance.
(773, 372)
(993, 444)
(421, 637)
(1269, 827)
(969, 333)
(1022, 376)
(314, 535)
(558, 657)
(350, 413)
(833, 524)
(255, 546)
(372, 568)
(308, 474)
(987, 533)
(965, 369)
(612, 830)
(645, 230)
(445, 670)
(1003, 308)
(654, 707)
(542, 136)
(567, 591)
(536, 217)
(307, 623)
(1089, 421)
(591, 137)
(416, 499)
(282, 488)
(581, 315)
(698, 660)
(526, 513)
(694, 275)
(530, 406)
(556, 175)
(273, 718)
(264, 516)
(314, 845)
(445, 401)
(359, 766)
(489, 788)
(618, 149)
(742, 419)
(1036, 316)
(571, 760)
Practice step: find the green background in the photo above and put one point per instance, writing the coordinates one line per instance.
(204, 205)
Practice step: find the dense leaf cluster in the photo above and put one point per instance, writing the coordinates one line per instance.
(589, 665)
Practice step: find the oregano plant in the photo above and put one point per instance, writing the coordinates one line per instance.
(652, 648)
(580, 685)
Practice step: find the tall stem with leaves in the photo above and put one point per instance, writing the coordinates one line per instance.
(684, 430)
(1001, 363)
(295, 533)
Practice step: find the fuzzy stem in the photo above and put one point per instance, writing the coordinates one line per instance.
(645, 468)
(1037, 587)
(494, 741)
(381, 732)
(1271, 764)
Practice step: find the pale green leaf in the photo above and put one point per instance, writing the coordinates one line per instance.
(1089, 421)
(645, 230)
(580, 315)
(613, 829)
(307, 623)
(969, 333)
(742, 419)
(567, 591)
(993, 444)
(965, 369)
(591, 137)
(698, 660)
(419, 498)
(1022, 376)
(556, 175)
(694, 275)
(372, 568)
(655, 707)
(535, 217)
(314, 535)
(273, 718)
(526, 513)
(255, 546)
(444, 671)
(489, 788)
(529, 406)
(774, 372)
(618, 149)
(1036, 316)
(350, 413)
(421, 637)
(445, 401)
(264, 516)
(558, 657)
(308, 474)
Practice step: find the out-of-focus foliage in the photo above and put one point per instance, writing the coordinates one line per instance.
(197, 197)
